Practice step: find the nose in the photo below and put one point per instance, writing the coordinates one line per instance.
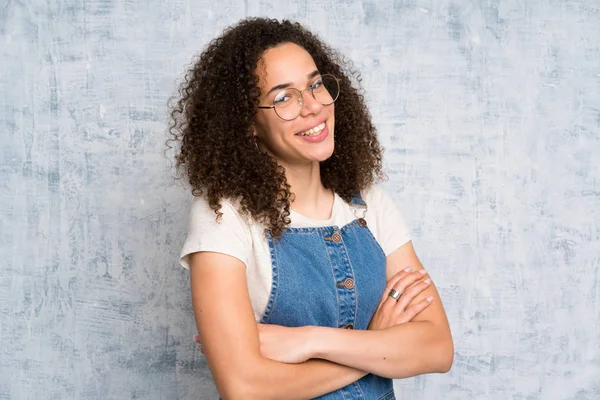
(311, 105)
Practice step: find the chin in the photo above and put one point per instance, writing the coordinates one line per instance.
(328, 148)
(323, 155)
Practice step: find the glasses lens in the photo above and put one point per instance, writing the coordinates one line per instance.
(288, 104)
(326, 89)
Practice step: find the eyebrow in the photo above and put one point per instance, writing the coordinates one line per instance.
(286, 85)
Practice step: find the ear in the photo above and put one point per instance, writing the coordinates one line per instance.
(255, 132)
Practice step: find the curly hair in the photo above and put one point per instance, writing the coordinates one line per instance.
(215, 110)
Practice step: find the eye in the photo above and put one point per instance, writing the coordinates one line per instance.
(282, 98)
(317, 84)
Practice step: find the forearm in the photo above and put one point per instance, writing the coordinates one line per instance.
(268, 379)
(400, 351)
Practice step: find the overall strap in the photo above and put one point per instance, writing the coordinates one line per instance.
(359, 206)
(357, 201)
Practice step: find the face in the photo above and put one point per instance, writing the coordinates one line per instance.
(299, 141)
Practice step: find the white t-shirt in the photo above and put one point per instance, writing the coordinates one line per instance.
(245, 239)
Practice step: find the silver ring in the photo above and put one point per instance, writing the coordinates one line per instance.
(394, 294)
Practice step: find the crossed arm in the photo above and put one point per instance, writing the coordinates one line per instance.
(335, 357)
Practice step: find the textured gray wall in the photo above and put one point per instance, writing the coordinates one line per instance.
(490, 112)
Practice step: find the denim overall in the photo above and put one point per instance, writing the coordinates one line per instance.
(330, 276)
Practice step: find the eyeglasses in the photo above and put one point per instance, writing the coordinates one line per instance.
(288, 103)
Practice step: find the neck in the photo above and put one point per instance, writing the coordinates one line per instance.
(310, 198)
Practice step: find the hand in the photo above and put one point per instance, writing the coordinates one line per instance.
(199, 343)
(390, 311)
(279, 343)
(284, 344)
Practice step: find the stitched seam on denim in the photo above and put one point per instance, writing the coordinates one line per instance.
(311, 229)
(360, 389)
(349, 225)
(342, 392)
(337, 296)
(355, 287)
(375, 240)
(388, 396)
(274, 283)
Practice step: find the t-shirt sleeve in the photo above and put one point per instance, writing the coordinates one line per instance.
(229, 235)
(392, 230)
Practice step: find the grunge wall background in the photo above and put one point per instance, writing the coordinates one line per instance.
(490, 113)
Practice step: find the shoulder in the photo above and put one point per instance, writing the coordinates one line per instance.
(201, 212)
(385, 219)
(228, 233)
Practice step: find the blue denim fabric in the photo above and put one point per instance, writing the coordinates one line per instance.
(320, 281)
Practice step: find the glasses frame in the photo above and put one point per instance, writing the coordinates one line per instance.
(301, 97)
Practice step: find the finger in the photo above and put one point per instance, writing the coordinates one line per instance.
(403, 283)
(401, 286)
(411, 293)
(413, 311)
(393, 280)
(416, 283)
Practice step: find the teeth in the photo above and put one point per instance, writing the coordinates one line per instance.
(313, 131)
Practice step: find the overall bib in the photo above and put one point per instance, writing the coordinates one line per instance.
(330, 276)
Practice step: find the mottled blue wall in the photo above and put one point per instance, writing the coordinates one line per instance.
(490, 112)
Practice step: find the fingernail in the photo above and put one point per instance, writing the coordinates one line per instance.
(408, 269)
(429, 299)
(423, 271)
(427, 281)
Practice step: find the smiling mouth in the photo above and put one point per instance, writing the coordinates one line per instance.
(313, 131)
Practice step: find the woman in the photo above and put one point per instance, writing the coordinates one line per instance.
(289, 230)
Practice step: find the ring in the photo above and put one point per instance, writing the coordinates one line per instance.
(394, 294)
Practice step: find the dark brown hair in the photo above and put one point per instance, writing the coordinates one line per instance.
(214, 113)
